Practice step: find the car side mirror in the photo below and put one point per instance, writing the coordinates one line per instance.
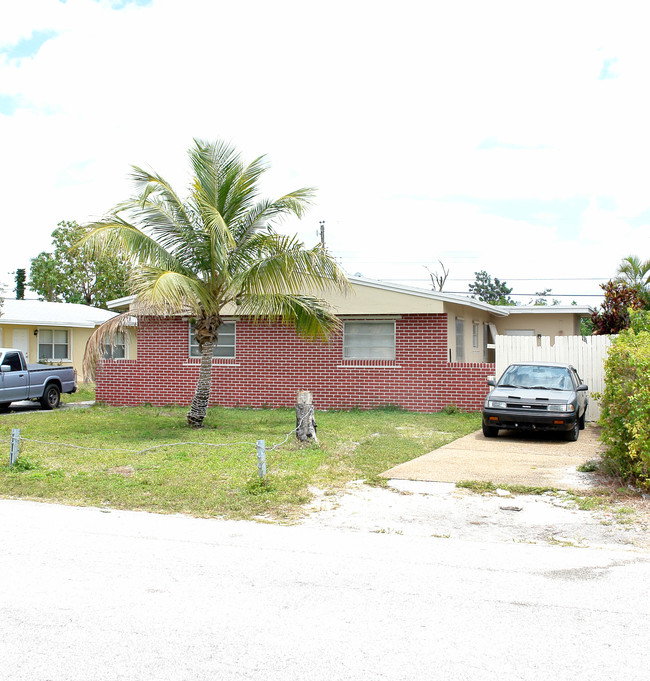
(4, 368)
(582, 387)
(491, 381)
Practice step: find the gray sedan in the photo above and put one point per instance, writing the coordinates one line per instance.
(536, 396)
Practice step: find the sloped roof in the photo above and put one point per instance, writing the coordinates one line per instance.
(42, 313)
(402, 299)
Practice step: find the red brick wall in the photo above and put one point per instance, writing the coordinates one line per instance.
(272, 364)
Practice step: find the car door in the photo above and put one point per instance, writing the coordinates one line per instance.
(581, 394)
(14, 383)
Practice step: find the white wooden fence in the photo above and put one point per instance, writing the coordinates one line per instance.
(586, 353)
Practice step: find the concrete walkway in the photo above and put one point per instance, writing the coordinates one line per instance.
(536, 460)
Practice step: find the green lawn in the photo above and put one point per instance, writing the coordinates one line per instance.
(85, 393)
(218, 475)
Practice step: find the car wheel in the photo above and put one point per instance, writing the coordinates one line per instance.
(4, 406)
(490, 431)
(581, 420)
(572, 435)
(51, 397)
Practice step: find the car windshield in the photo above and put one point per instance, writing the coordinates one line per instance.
(543, 377)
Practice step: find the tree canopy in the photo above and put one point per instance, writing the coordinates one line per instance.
(217, 247)
(490, 291)
(73, 274)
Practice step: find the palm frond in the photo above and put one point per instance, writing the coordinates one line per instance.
(267, 212)
(165, 292)
(312, 317)
(103, 335)
(149, 183)
(114, 235)
(280, 264)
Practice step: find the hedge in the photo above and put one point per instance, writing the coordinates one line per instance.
(625, 416)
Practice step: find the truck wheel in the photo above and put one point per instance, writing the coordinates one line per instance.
(51, 397)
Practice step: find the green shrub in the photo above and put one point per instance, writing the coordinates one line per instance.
(626, 403)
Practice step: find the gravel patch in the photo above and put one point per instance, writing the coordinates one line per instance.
(443, 511)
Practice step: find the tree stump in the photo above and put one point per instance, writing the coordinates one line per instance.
(305, 422)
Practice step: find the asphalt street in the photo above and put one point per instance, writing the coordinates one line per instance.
(95, 595)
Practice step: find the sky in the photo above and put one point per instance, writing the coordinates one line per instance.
(510, 137)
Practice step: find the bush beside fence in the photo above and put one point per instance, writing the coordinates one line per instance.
(625, 413)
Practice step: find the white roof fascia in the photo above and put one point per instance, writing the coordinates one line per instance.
(120, 302)
(550, 309)
(44, 322)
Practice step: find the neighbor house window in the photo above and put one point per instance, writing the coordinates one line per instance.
(475, 332)
(225, 346)
(369, 340)
(116, 350)
(460, 339)
(53, 344)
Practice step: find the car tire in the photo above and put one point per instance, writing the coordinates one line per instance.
(581, 420)
(51, 397)
(572, 435)
(4, 406)
(490, 431)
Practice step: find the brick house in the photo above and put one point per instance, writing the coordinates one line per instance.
(419, 349)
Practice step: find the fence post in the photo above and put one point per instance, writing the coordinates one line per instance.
(15, 441)
(261, 459)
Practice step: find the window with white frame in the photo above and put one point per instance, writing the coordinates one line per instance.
(460, 339)
(475, 333)
(369, 340)
(116, 349)
(225, 346)
(53, 344)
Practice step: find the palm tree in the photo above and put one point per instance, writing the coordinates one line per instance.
(635, 273)
(215, 248)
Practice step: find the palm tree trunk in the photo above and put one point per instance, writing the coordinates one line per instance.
(199, 407)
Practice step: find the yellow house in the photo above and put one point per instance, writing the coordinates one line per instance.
(52, 332)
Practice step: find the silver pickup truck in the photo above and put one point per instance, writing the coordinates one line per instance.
(38, 382)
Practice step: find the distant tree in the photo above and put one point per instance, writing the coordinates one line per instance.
(494, 292)
(635, 273)
(20, 284)
(71, 274)
(438, 280)
(540, 298)
(586, 326)
(614, 313)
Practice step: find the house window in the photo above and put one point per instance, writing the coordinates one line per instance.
(53, 344)
(225, 346)
(475, 332)
(369, 340)
(116, 350)
(460, 339)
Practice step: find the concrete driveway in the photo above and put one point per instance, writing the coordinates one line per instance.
(536, 460)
